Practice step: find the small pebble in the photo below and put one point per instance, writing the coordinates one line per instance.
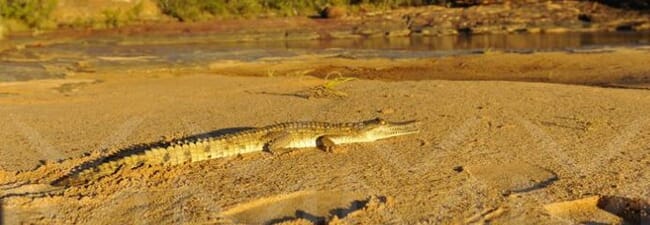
(386, 111)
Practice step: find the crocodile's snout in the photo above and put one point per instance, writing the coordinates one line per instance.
(384, 129)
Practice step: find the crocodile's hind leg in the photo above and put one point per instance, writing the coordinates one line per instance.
(278, 143)
(326, 144)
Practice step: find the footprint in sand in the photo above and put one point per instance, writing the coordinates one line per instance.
(316, 207)
(512, 177)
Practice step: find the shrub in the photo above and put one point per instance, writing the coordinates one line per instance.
(34, 13)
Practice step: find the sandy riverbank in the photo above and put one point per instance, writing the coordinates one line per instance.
(489, 150)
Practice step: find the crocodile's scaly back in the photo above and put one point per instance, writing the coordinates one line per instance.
(282, 135)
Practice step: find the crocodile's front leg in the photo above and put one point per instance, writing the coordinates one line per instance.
(278, 142)
(326, 143)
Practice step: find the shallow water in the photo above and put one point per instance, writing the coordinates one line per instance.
(117, 53)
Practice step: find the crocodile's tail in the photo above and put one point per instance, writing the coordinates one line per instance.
(170, 155)
(98, 169)
(123, 159)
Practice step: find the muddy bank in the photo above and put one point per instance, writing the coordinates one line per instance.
(600, 67)
(558, 58)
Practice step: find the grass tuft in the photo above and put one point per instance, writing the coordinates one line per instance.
(331, 84)
(329, 89)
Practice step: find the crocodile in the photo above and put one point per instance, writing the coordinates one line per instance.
(270, 139)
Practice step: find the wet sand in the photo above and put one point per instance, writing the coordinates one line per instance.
(610, 67)
(503, 152)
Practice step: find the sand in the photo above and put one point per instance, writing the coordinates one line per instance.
(489, 151)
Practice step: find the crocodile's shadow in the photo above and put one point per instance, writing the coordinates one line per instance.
(141, 148)
(315, 219)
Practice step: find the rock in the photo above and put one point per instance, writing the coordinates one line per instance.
(556, 30)
(302, 35)
(628, 4)
(370, 32)
(534, 30)
(488, 30)
(644, 26)
(517, 28)
(628, 26)
(438, 31)
(584, 209)
(416, 29)
(633, 211)
(586, 18)
(266, 36)
(333, 12)
(343, 34)
(398, 33)
(386, 111)
(429, 31)
(465, 30)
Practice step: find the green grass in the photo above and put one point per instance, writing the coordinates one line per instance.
(333, 80)
(116, 17)
(37, 13)
(109, 18)
(33, 13)
(193, 10)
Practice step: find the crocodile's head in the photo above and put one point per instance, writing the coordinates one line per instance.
(379, 128)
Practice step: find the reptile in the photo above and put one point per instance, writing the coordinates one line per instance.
(272, 138)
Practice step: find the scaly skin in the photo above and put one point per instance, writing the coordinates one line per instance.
(288, 135)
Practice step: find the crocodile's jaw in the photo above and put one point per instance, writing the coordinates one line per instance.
(376, 129)
(391, 129)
